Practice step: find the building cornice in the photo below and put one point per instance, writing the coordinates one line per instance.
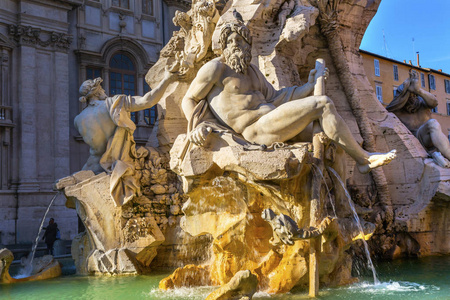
(425, 70)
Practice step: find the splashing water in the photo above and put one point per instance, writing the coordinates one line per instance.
(358, 222)
(328, 189)
(391, 288)
(28, 269)
(193, 293)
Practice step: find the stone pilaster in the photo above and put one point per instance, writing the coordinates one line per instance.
(27, 95)
(61, 116)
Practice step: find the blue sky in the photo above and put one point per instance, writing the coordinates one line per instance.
(427, 21)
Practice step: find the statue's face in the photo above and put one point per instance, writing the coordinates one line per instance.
(235, 40)
(237, 53)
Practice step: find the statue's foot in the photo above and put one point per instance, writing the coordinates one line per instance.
(377, 160)
(440, 160)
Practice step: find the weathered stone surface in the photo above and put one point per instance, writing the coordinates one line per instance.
(227, 194)
(124, 239)
(106, 234)
(188, 276)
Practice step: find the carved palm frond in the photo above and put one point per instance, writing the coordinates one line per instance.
(328, 16)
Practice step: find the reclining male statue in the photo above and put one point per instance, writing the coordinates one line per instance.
(412, 105)
(240, 98)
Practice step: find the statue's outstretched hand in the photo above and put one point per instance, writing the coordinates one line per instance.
(326, 73)
(313, 75)
(199, 135)
(172, 76)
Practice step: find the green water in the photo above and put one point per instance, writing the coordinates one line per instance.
(426, 278)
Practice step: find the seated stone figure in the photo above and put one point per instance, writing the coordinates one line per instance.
(413, 105)
(107, 128)
(99, 120)
(240, 98)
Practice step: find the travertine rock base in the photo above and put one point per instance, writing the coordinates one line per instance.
(228, 190)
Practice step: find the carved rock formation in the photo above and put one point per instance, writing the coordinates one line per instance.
(229, 188)
(122, 239)
(404, 197)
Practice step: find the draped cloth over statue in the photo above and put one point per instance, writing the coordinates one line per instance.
(118, 159)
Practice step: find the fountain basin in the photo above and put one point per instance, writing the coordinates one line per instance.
(423, 278)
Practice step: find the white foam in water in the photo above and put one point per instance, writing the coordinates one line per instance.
(392, 287)
(193, 293)
(199, 292)
(261, 294)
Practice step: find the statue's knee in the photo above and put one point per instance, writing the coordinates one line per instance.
(323, 101)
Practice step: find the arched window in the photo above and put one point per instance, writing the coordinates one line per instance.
(122, 77)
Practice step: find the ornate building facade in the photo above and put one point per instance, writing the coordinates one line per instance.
(47, 49)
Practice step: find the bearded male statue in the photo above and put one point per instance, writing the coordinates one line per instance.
(240, 98)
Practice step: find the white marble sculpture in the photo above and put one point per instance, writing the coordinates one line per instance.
(107, 128)
(236, 94)
(413, 105)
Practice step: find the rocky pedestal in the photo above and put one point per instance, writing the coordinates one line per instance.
(122, 239)
(229, 188)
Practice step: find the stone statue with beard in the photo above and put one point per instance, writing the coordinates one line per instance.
(413, 105)
(240, 98)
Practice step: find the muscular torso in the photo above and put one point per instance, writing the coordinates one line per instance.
(414, 120)
(236, 99)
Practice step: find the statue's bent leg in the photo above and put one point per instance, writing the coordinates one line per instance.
(289, 119)
(430, 135)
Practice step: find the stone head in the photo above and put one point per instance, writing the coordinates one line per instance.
(234, 27)
(235, 41)
(92, 88)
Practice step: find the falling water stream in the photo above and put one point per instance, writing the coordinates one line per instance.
(28, 269)
(358, 222)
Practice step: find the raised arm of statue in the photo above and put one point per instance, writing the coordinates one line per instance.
(414, 87)
(299, 92)
(201, 86)
(306, 89)
(153, 97)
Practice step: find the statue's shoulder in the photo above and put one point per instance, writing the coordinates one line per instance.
(216, 63)
(212, 69)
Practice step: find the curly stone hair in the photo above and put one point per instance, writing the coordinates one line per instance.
(234, 26)
(88, 88)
